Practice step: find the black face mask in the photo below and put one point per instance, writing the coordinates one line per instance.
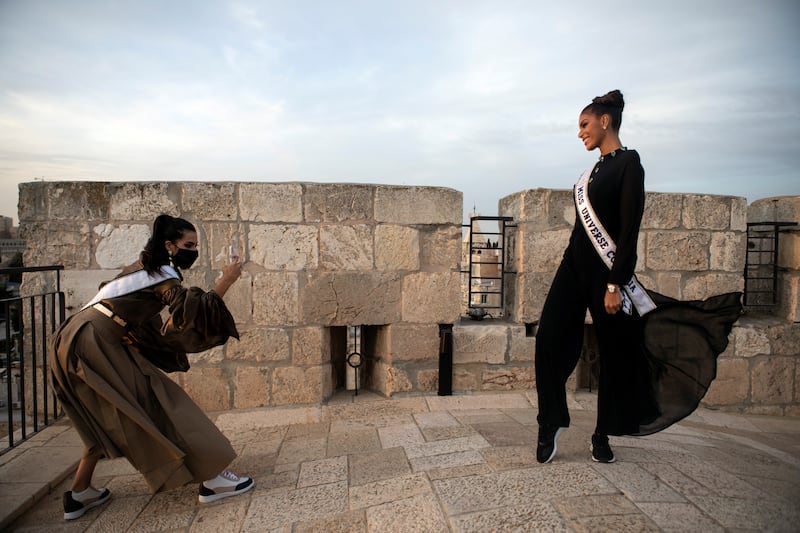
(184, 258)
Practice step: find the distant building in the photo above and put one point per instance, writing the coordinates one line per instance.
(9, 244)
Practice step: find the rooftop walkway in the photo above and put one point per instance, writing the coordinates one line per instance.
(431, 463)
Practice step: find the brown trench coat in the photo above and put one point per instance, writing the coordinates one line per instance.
(124, 406)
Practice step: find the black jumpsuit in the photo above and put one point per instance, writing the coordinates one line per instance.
(616, 192)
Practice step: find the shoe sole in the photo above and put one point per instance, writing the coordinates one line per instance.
(555, 445)
(220, 495)
(80, 512)
(596, 460)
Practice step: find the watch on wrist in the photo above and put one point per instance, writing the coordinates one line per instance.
(612, 288)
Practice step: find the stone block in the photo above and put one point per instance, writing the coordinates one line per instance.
(282, 247)
(337, 202)
(80, 201)
(217, 238)
(32, 203)
(57, 244)
(214, 200)
(662, 211)
(529, 295)
(667, 283)
(465, 379)
(728, 251)
(750, 340)
(508, 378)
(522, 348)
(397, 380)
(418, 205)
(480, 343)
(703, 285)
(239, 299)
(271, 202)
(251, 387)
(789, 296)
(540, 209)
(119, 246)
(396, 247)
(772, 380)
(310, 346)
(706, 212)
(789, 249)
(413, 342)
(259, 345)
(542, 250)
(209, 388)
(134, 201)
(776, 209)
(295, 385)
(212, 356)
(677, 250)
(378, 378)
(738, 214)
(784, 339)
(428, 380)
(732, 384)
(346, 247)
(351, 298)
(275, 299)
(440, 248)
(431, 297)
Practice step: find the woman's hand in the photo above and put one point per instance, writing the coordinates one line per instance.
(230, 273)
(613, 302)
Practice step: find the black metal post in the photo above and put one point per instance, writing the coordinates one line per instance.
(445, 359)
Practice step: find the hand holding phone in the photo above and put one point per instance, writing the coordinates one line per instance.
(233, 254)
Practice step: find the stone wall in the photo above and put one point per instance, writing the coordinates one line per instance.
(319, 257)
(690, 246)
(760, 370)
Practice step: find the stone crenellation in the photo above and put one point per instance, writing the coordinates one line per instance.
(323, 257)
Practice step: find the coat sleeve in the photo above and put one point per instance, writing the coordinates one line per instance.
(631, 209)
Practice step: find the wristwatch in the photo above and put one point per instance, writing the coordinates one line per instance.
(612, 288)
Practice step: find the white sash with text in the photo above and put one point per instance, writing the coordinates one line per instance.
(132, 283)
(632, 292)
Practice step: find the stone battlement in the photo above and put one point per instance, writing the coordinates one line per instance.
(323, 257)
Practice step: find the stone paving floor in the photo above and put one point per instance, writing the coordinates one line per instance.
(462, 463)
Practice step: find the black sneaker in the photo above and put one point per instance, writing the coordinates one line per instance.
(601, 451)
(548, 443)
(75, 508)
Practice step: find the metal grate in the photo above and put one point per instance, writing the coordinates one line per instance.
(487, 252)
(761, 263)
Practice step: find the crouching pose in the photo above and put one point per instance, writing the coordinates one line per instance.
(106, 365)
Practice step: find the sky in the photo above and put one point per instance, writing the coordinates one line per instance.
(479, 96)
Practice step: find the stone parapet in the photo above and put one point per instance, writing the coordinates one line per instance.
(318, 257)
(690, 246)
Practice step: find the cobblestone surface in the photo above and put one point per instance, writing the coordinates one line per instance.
(430, 463)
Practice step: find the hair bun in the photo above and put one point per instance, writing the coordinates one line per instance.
(610, 99)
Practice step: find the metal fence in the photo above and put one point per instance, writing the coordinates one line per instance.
(27, 402)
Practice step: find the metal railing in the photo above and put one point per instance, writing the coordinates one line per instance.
(27, 401)
(761, 263)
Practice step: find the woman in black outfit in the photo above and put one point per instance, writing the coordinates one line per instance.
(636, 376)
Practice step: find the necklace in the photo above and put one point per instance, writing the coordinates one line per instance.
(612, 153)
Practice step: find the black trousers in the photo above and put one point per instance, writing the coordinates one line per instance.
(559, 341)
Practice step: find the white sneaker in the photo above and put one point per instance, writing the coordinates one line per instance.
(225, 484)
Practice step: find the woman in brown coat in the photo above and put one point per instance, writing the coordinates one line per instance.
(106, 366)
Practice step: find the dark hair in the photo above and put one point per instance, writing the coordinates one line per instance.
(610, 104)
(165, 228)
